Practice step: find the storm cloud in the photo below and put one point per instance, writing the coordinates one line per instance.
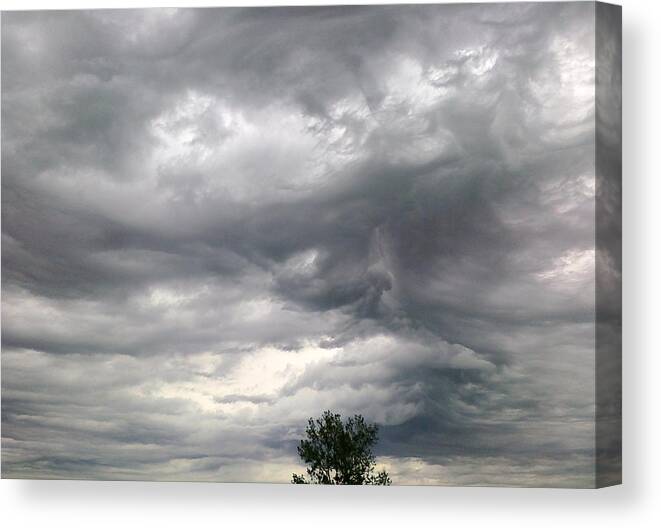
(217, 223)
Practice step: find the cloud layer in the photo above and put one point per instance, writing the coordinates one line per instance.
(219, 222)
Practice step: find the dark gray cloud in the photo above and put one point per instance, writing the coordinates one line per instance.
(219, 222)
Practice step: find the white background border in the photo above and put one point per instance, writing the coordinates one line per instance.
(635, 504)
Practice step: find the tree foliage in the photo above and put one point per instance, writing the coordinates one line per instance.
(338, 452)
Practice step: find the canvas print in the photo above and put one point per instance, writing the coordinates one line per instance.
(316, 245)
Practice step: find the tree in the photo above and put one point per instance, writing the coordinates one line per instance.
(337, 452)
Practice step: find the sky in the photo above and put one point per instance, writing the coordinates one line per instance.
(217, 223)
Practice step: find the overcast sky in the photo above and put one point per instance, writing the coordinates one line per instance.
(217, 223)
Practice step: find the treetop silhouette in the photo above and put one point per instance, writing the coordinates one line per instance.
(338, 452)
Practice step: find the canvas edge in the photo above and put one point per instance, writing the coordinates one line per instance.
(608, 245)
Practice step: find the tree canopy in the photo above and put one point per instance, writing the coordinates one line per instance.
(338, 452)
